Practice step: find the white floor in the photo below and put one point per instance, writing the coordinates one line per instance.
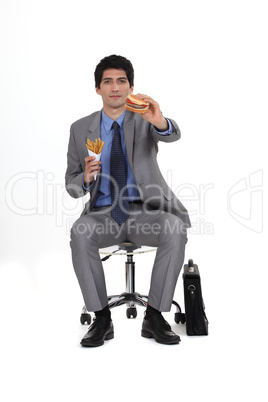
(42, 360)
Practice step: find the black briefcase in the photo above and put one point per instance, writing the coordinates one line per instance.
(196, 320)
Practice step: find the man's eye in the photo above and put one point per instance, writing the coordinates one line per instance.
(106, 81)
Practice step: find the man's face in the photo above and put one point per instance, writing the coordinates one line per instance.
(114, 88)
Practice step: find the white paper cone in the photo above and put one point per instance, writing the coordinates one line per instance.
(97, 156)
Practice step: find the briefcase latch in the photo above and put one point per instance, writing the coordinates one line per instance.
(190, 269)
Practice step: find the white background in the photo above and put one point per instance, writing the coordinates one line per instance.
(205, 62)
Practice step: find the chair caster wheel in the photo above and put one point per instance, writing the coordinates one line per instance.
(131, 311)
(85, 318)
(179, 318)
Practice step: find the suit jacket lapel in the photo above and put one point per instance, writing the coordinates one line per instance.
(94, 128)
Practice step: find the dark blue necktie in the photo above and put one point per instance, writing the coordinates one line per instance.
(118, 171)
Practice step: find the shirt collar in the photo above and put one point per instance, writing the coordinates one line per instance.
(107, 121)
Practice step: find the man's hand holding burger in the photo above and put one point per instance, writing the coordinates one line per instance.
(152, 114)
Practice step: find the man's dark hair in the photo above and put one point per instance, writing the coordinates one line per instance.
(117, 62)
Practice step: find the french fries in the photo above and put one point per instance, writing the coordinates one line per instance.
(96, 146)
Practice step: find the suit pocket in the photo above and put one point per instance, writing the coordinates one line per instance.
(168, 193)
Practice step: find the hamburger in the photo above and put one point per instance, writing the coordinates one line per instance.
(135, 104)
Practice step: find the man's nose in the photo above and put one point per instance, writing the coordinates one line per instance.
(115, 87)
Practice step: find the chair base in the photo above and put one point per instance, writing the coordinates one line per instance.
(130, 297)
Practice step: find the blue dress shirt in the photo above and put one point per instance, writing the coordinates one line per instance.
(106, 134)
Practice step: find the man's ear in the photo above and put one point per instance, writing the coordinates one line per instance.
(131, 89)
(97, 90)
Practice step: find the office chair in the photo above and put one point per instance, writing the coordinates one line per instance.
(129, 297)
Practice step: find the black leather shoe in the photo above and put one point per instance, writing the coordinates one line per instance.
(158, 328)
(99, 331)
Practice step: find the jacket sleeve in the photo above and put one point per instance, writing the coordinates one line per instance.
(174, 136)
(74, 173)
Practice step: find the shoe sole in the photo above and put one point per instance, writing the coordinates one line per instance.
(146, 334)
(92, 345)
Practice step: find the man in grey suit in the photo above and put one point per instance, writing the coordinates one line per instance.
(129, 200)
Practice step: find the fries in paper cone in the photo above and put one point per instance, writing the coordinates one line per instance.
(95, 148)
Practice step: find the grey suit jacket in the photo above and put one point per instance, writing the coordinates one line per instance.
(141, 144)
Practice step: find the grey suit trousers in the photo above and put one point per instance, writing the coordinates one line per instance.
(144, 226)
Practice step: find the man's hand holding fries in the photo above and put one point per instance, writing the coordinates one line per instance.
(92, 166)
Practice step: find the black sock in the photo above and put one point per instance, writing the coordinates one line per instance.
(150, 311)
(105, 312)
